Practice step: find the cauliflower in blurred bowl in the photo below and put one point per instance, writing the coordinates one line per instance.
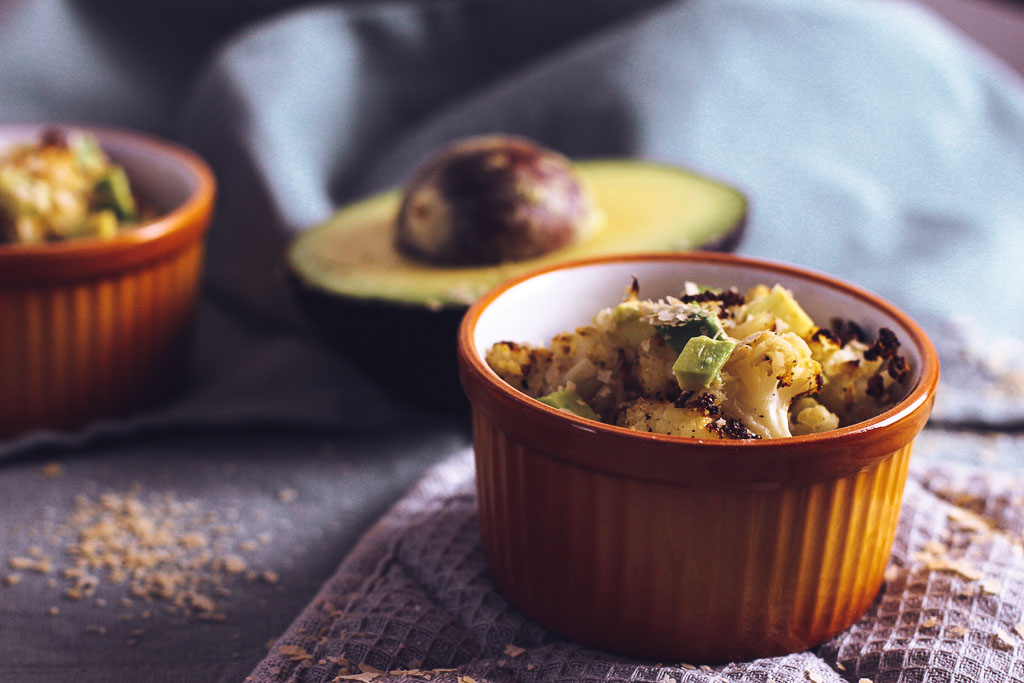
(711, 364)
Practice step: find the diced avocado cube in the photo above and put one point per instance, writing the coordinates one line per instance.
(626, 312)
(700, 361)
(88, 153)
(784, 307)
(692, 288)
(114, 192)
(569, 401)
(628, 325)
(699, 324)
(635, 331)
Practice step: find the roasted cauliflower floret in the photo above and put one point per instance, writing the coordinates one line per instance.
(589, 362)
(763, 376)
(521, 365)
(807, 416)
(652, 368)
(511, 361)
(860, 378)
(665, 417)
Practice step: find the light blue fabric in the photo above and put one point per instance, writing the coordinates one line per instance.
(873, 141)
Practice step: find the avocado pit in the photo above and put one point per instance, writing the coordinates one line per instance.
(492, 199)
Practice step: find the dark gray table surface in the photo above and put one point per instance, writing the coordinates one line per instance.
(314, 494)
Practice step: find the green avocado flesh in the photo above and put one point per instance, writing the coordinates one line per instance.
(570, 402)
(677, 336)
(646, 207)
(700, 362)
(113, 191)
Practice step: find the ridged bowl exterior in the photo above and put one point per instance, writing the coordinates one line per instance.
(93, 327)
(692, 573)
(681, 549)
(102, 345)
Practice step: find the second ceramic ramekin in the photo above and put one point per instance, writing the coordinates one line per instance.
(95, 327)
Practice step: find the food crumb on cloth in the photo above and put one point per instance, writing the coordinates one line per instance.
(51, 470)
(294, 652)
(514, 651)
(1003, 640)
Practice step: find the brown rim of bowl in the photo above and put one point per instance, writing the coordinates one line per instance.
(800, 457)
(34, 263)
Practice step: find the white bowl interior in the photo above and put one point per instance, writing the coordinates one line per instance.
(536, 309)
(164, 181)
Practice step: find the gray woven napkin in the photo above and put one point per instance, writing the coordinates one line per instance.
(414, 600)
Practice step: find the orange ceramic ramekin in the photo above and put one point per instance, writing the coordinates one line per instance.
(95, 327)
(675, 548)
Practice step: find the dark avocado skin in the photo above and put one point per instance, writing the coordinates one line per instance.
(381, 338)
(410, 350)
(731, 240)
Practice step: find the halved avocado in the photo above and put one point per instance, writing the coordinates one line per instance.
(396, 317)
